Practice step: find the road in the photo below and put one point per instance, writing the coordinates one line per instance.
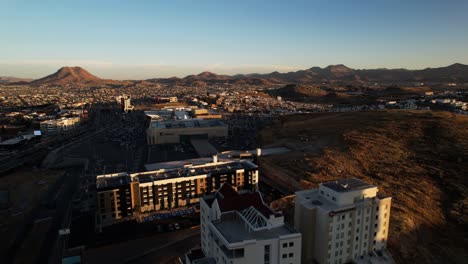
(154, 247)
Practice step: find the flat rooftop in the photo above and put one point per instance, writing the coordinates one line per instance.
(346, 185)
(193, 171)
(112, 180)
(224, 156)
(189, 123)
(312, 199)
(234, 230)
(12, 141)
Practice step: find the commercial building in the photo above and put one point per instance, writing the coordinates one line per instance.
(167, 132)
(205, 114)
(123, 195)
(238, 228)
(56, 126)
(342, 221)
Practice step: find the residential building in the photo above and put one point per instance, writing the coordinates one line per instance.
(238, 228)
(123, 195)
(342, 221)
(125, 103)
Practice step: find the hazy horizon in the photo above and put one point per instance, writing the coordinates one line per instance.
(145, 72)
(142, 40)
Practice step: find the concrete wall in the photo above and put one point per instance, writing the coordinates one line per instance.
(172, 136)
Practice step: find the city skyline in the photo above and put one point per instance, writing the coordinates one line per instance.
(151, 40)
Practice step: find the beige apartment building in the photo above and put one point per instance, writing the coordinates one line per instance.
(342, 221)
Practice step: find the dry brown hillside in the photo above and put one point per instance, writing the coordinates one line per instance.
(419, 158)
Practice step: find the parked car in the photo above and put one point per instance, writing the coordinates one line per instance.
(170, 227)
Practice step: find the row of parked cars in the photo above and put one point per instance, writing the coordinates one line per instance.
(161, 228)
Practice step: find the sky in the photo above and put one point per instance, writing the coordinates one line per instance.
(149, 39)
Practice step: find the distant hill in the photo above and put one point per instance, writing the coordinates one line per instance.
(297, 91)
(73, 76)
(339, 73)
(7, 80)
(454, 73)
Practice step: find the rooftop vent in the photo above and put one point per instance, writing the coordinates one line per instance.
(316, 202)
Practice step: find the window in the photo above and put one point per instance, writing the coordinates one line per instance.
(333, 198)
(285, 245)
(266, 255)
(291, 244)
(343, 217)
(285, 256)
(377, 208)
(291, 255)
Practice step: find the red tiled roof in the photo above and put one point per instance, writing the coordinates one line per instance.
(233, 201)
(227, 191)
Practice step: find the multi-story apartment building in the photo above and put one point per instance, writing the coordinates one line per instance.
(342, 221)
(238, 228)
(123, 195)
(114, 197)
(125, 103)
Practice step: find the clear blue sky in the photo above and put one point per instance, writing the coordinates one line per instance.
(144, 39)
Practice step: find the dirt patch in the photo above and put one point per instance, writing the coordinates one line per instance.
(419, 158)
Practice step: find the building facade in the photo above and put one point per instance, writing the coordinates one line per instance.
(122, 196)
(56, 126)
(342, 221)
(238, 228)
(170, 132)
(125, 103)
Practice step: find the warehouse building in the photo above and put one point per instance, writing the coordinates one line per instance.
(171, 132)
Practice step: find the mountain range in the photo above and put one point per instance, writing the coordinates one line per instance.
(334, 73)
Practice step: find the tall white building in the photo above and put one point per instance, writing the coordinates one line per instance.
(125, 103)
(238, 228)
(342, 221)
